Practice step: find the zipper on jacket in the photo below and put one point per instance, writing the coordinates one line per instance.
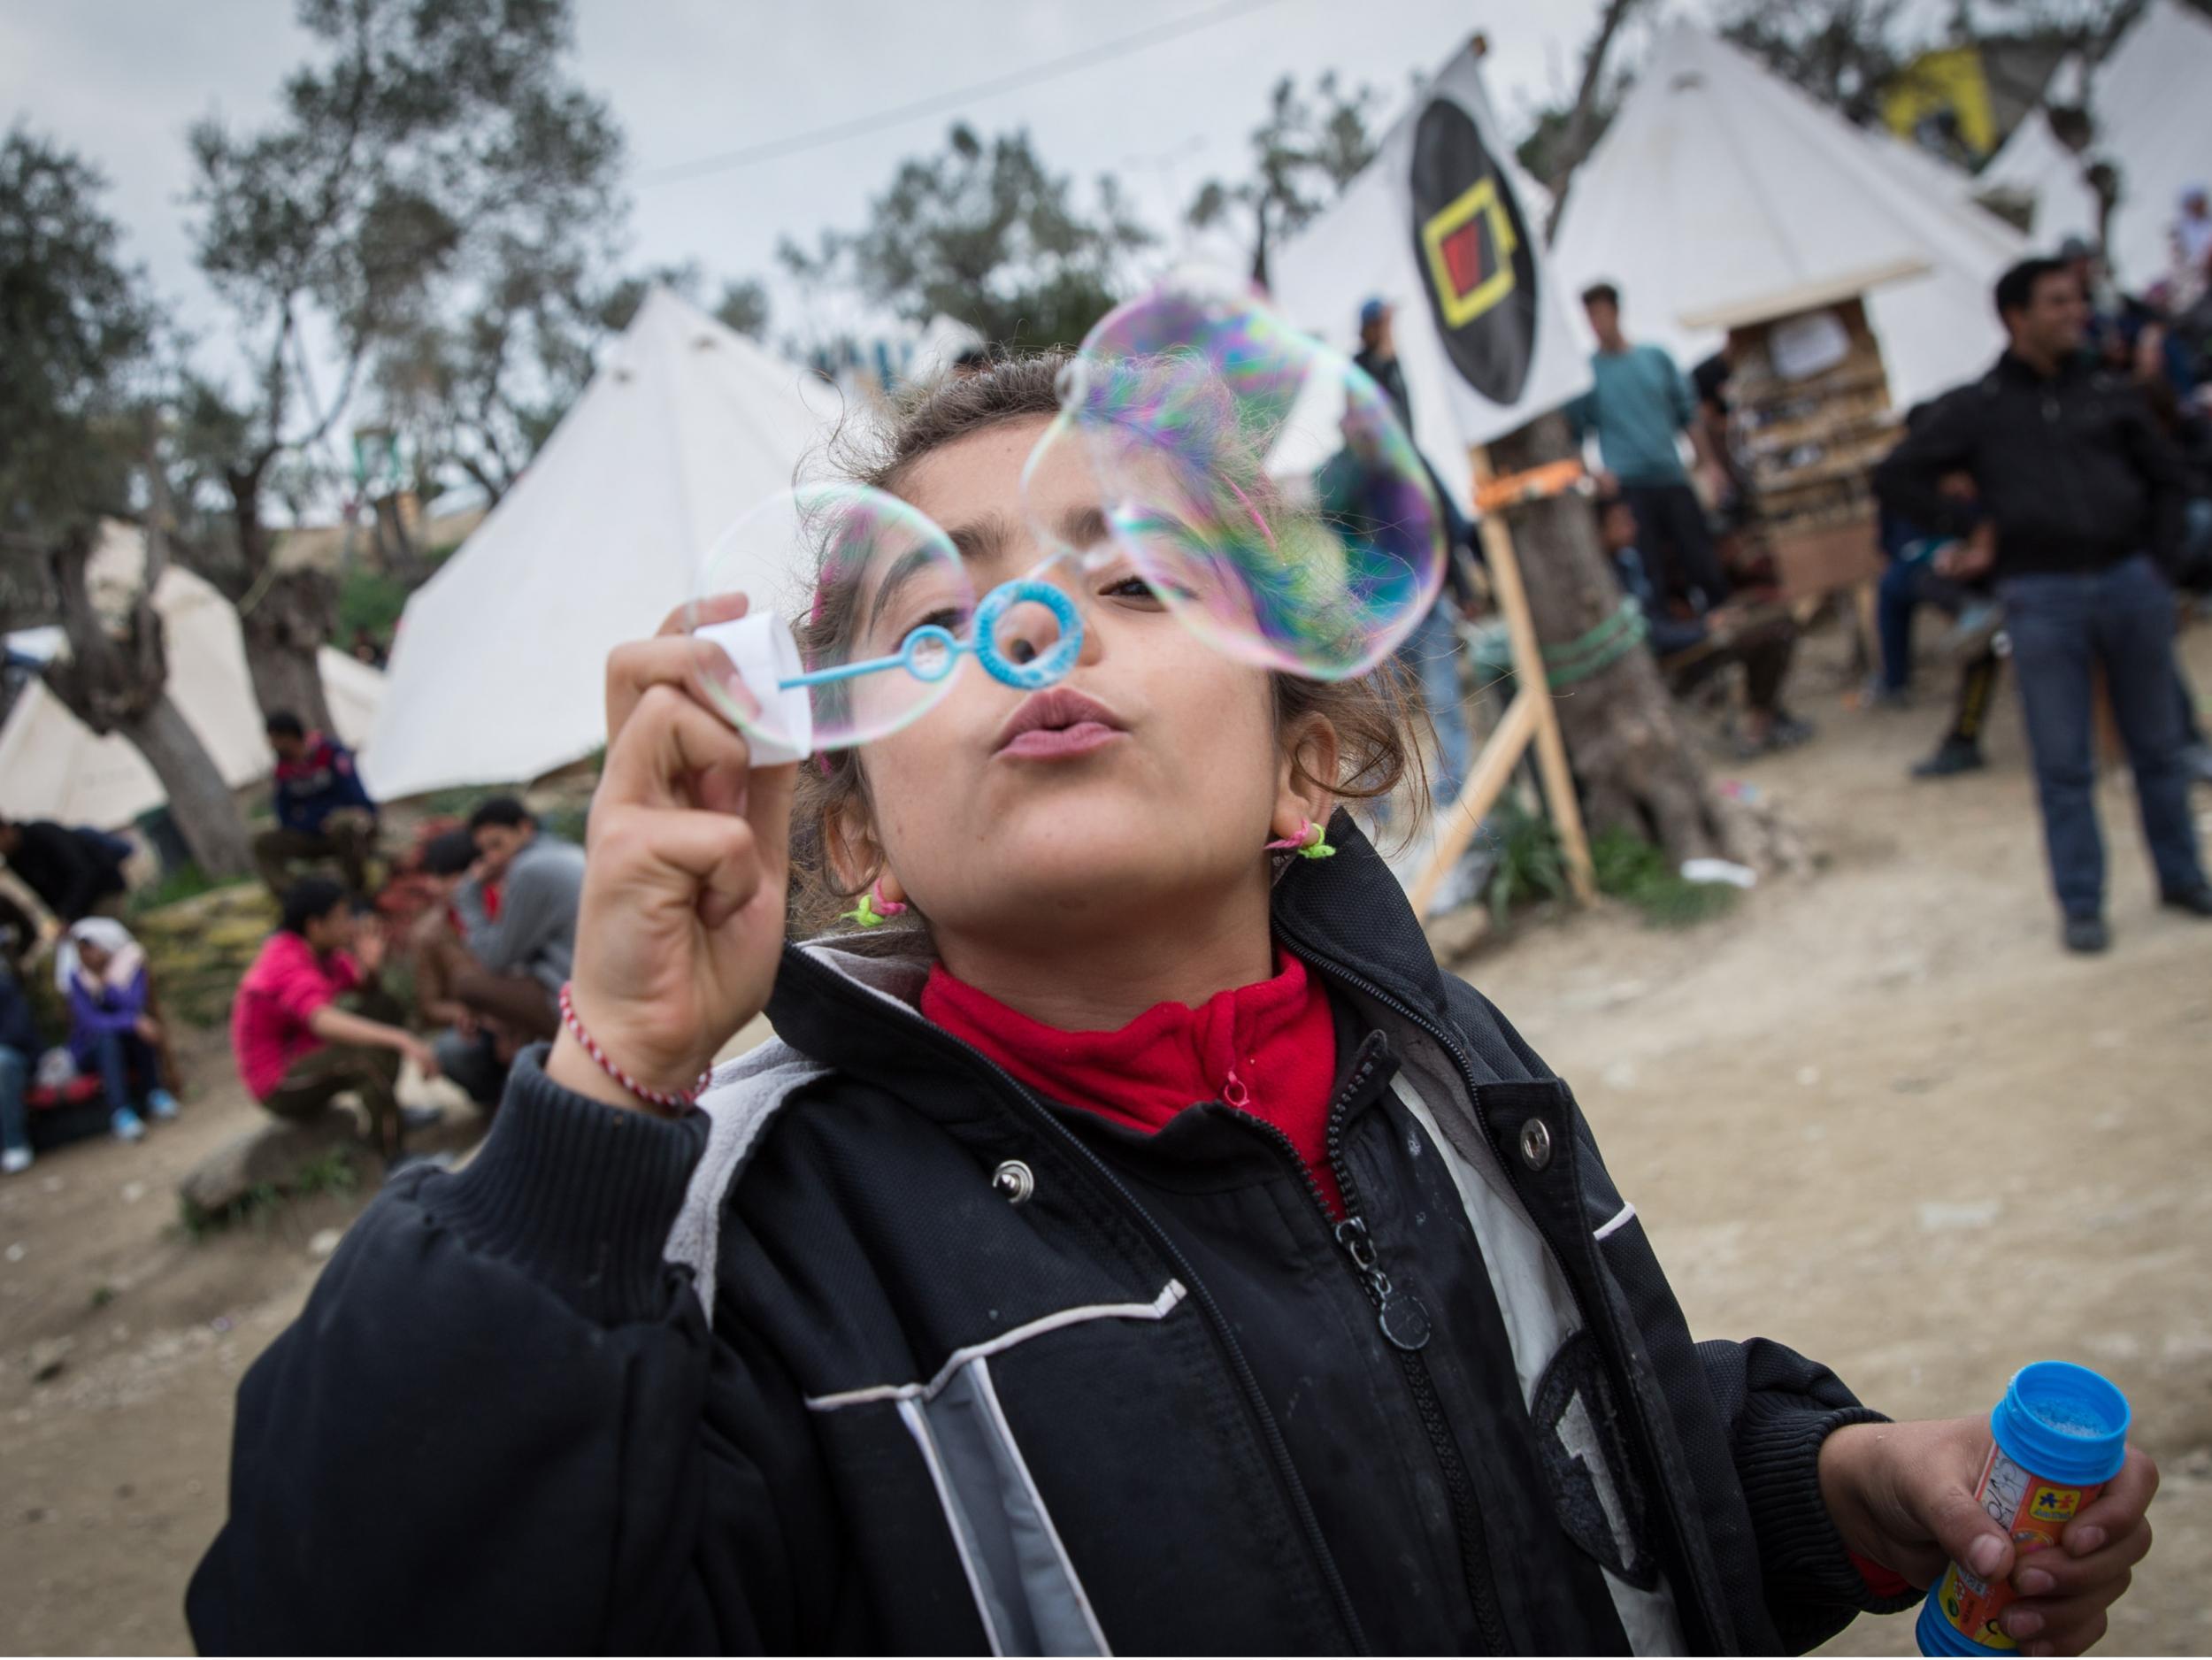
(1406, 1327)
(1359, 982)
(1241, 1368)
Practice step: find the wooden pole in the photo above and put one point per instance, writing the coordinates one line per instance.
(1485, 780)
(1528, 669)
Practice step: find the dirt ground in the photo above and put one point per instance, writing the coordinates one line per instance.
(1874, 1113)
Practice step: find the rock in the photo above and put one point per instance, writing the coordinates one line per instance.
(47, 1356)
(1939, 1217)
(325, 1241)
(273, 1153)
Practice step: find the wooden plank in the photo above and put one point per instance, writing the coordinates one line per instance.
(1456, 825)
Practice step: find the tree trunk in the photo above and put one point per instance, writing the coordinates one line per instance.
(118, 683)
(205, 811)
(1633, 759)
(287, 616)
(287, 625)
(396, 547)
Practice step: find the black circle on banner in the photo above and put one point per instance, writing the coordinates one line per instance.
(1475, 251)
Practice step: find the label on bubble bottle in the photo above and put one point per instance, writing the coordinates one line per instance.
(2029, 1509)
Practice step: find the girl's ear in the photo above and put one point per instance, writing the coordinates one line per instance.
(1303, 777)
(848, 840)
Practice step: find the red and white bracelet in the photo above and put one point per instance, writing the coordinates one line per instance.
(674, 1100)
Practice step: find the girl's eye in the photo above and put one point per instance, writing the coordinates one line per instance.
(1131, 587)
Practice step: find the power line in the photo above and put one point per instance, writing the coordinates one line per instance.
(1051, 69)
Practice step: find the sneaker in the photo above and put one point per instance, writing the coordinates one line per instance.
(421, 1118)
(2087, 935)
(1789, 731)
(162, 1104)
(126, 1125)
(2196, 901)
(15, 1161)
(1953, 757)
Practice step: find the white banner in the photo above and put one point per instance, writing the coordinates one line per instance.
(1445, 228)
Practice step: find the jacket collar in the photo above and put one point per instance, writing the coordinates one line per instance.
(851, 1000)
(2012, 368)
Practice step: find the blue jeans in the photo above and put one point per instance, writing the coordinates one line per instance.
(1905, 587)
(120, 1053)
(1432, 653)
(15, 1118)
(2064, 625)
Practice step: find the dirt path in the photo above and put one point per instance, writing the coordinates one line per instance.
(1874, 1114)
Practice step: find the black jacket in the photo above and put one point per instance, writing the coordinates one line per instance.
(2073, 469)
(883, 1353)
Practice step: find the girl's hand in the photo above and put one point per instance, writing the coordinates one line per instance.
(681, 920)
(1902, 1495)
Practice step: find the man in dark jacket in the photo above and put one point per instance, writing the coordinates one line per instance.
(2077, 511)
(323, 809)
(74, 872)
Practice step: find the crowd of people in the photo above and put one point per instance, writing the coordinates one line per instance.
(482, 920)
(2050, 509)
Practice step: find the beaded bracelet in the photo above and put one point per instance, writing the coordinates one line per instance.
(674, 1100)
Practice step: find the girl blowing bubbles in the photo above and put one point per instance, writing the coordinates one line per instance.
(1138, 1243)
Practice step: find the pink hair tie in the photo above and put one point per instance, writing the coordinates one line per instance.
(1311, 843)
(874, 910)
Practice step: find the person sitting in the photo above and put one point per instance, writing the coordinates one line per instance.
(19, 1048)
(297, 1048)
(474, 1050)
(74, 872)
(102, 973)
(1691, 649)
(523, 952)
(323, 811)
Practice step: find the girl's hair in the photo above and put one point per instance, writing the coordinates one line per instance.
(1376, 718)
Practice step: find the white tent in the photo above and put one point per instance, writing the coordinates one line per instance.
(2034, 167)
(51, 765)
(2153, 121)
(1719, 191)
(496, 674)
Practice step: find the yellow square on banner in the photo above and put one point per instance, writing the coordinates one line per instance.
(1462, 293)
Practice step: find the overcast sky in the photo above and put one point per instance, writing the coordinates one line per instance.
(119, 80)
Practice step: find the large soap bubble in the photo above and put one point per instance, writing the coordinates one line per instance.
(859, 613)
(1259, 480)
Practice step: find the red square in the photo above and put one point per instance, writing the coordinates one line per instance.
(1463, 257)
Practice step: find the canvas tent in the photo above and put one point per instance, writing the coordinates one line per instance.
(52, 766)
(1719, 192)
(496, 674)
(1361, 248)
(2153, 121)
(2035, 168)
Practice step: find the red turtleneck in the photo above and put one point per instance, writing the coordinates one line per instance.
(1267, 1049)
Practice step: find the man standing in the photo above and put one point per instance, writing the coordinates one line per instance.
(297, 1048)
(2077, 503)
(1378, 355)
(1432, 651)
(323, 811)
(1638, 405)
(523, 954)
(75, 873)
